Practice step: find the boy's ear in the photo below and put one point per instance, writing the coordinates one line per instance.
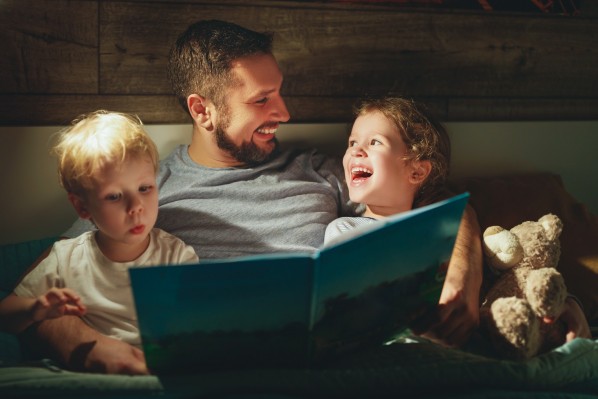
(420, 170)
(79, 205)
(200, 110)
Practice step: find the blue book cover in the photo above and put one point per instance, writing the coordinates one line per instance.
(296, 309)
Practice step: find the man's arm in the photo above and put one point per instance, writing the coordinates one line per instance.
(81, 348)
(458, 313)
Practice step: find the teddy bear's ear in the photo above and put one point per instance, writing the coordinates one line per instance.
(502, 248)
(552, 225)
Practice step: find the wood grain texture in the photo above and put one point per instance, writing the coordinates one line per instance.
(39, 110)
(48, 46)
(335, 52)
(62, 58)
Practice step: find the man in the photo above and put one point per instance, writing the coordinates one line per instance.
(233, 192)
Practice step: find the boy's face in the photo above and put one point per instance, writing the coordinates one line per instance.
(377, 174)
(123, 204)
(247, 123)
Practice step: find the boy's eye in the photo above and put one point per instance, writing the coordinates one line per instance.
(262, 100)
(145, 189)
(375, 142)
(112, 197)
(352, 143)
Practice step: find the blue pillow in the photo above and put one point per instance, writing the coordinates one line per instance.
(16, 258)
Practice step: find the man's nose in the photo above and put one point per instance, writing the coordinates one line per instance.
(281, 111)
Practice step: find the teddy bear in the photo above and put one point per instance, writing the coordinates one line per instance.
(527, 294)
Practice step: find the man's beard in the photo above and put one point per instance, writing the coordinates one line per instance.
(247, 153)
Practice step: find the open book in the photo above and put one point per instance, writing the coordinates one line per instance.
(296, 309)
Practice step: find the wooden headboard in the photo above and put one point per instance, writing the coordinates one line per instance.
(62, 58)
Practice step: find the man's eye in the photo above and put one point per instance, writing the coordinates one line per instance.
(262, 100)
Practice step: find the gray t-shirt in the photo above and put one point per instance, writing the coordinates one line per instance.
(283, 205)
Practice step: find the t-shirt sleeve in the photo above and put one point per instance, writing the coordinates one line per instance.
(332, 232)
(41, 278)
(186, 253)
(178, 251)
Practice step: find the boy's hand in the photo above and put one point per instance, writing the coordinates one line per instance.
(57, 302)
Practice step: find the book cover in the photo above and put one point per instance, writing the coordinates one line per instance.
(296, 309)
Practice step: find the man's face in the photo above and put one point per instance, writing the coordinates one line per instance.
(253, 108)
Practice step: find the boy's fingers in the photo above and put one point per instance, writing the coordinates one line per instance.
(56, 296)
(74, 310)
(43, 301)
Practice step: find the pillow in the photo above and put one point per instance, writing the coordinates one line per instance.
(510, 200)
(14, 261)
(16, 258)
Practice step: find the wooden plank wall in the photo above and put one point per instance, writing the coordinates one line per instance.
(61, 58)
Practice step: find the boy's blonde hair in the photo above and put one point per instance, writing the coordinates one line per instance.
(96, 140)
(425, 139)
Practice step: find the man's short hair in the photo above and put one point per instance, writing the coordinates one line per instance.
(200, 62)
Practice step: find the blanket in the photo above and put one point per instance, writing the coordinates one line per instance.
(410, 368)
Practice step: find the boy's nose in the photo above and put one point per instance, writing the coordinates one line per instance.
(135, 206)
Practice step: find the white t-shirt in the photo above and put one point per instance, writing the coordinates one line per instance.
(103, 285)
(339, 228)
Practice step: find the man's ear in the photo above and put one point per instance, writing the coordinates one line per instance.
(200, 110)
(420, 170)
(79, 205)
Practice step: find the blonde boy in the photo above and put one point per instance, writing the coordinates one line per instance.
(107, 164)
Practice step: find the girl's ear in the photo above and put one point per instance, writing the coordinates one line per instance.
(200, 110)
(79, 205)
(420, 170)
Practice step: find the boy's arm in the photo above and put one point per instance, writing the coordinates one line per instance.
(80, 347)
(19, 312)
(16, 313)
(71, 341)
(458, 313)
